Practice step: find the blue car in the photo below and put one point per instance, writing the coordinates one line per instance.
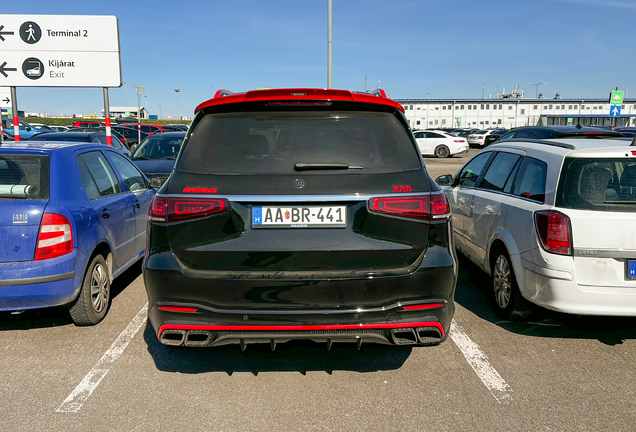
(72, 218)
(26, 130)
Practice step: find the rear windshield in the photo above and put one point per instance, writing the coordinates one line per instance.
(481, 132)
(159, 147)
(24, 177)
(260, 142)
(598, 184)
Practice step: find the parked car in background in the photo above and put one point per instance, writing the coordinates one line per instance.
(479, 137)
(89, 137)
(99, 129)
(628, 132)
(58, 128)
(41, 127)
(26, 130)
(146, 128)
(127, 135)
(84, 123)
(463, 133)
(73, 218)
(155, 156)
(440, 144)
(552, 223)
(315, 220)
(494, 136)
(562, 132)
(175, 127)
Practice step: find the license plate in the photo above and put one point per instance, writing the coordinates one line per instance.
(299, 217)
(631, 269)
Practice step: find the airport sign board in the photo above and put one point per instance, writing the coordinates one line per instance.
(5, 97)
(615, 111)
(616, 97)
(59, 51)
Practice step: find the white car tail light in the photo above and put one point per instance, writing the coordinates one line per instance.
(554, 232)
(55, 238)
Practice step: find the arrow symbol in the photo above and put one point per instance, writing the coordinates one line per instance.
(614, 111)
(6, 100)
(4, 70)
(4, 33)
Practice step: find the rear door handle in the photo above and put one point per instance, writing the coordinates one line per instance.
(105, 214)
(488, 209)
(137, 204)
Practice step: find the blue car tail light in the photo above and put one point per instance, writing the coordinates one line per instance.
(55, 238)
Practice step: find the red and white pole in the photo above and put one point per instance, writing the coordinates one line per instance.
(109, 137)
(16, 120)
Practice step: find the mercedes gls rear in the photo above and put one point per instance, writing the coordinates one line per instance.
(300, 214)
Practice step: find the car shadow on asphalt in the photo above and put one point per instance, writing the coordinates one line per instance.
(59, 315)
(294, 356)
(473, 293)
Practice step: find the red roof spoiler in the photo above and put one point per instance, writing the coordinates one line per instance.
(377, 96)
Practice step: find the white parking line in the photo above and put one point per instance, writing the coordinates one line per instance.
(479, 362)
(76, 399)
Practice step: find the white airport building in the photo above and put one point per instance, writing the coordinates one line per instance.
(513, 112)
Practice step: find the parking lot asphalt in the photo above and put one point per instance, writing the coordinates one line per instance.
(555, 372)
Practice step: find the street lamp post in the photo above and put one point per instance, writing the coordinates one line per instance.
(160, 117)
(177, 91)
(537, 86)
(139, 90)
(126, 93)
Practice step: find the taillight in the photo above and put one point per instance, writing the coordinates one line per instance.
(554, 231)
(55, 237)
(157, 212)
(172, 209)
(426, 207)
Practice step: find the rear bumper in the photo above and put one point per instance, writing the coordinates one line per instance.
(339, 310)
(557, 290)
(36, 284)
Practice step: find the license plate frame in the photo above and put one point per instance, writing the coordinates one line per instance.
(630, 269)
(298, 216)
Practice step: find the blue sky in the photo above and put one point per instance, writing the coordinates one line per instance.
(580, 48)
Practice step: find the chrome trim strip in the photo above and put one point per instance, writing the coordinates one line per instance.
(605, 253)
(398, 305)
(297, 198)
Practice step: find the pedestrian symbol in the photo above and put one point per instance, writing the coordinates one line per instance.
(615, 111)
(30, 32)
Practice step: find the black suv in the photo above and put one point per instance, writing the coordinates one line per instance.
(552, 132)
(300, 214)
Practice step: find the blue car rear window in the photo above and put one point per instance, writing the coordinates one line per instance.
(24, 176)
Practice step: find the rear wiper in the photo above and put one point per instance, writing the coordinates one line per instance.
(325, 166)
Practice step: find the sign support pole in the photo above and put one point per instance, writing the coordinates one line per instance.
(109, 137)
(1, 127)
(16, 120)
(139, 116)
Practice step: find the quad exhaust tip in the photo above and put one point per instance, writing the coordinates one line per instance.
(398, 336)
(404, 336)
(412, 336)
(197, 338)
(173, 337)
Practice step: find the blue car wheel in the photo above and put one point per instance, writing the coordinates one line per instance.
(93, 300)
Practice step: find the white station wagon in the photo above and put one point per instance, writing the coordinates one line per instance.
(552, 222)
